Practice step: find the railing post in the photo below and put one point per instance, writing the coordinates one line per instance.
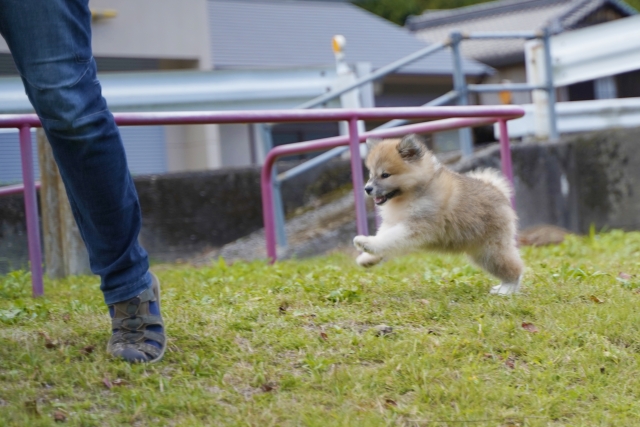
(380, 72)
(358, 182)
(481, 116)
(328, 155)
(278, 208)
(266, 175)
(64, 252)
(50, 209)
(460, 86)
(551, 91)
(31, 208)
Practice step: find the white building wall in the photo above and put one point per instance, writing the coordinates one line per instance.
(515, 74)
(166, 29)
(171, 29)
(191, 148)
(235, 145)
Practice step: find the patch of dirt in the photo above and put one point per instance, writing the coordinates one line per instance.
(542, 235)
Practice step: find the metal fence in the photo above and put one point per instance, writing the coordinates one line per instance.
(467, 116)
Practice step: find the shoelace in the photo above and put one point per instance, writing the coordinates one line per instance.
(132, 327)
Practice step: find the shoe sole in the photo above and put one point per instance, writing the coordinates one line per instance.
(155, 282)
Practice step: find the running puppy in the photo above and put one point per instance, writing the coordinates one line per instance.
(427, 206)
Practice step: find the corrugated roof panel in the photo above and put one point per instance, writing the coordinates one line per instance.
(258, 34)
(146, 149)
(10, 163)
(530, 19)
(506, 15)
(194, 90)
(484, 10)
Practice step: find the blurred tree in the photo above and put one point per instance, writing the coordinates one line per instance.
(634, 3)
(398, 10)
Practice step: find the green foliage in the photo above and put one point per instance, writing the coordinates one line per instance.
(634, 3)
(398, 10)
(341, 294)
(303, 343)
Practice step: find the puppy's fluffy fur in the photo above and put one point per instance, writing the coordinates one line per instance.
(427, 206)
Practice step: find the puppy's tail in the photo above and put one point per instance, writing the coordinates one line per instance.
(495, 178)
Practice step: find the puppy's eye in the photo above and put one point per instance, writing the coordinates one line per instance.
(385, 175)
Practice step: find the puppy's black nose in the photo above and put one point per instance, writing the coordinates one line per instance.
(368, 189)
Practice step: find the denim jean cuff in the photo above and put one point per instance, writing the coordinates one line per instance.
(129, 290)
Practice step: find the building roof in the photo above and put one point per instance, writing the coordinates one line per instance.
(272, 33)
(195, 90)
(513, 15)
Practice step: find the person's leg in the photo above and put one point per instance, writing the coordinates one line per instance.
(50, 41)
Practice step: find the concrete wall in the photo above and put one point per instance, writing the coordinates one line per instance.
(185, 213)
(14, 251)
(585, 179)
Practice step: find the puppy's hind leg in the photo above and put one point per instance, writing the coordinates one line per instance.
(502, 261)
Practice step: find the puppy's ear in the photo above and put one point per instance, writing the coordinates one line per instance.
(372, 142)
(411, 148)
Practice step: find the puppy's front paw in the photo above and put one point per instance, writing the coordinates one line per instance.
(363, 244)
(367, 260)
(506, 289)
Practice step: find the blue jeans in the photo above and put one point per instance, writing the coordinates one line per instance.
(50, 41)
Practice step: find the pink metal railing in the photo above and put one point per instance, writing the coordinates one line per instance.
(464, 116)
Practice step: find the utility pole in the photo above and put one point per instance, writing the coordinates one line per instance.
(64, 250)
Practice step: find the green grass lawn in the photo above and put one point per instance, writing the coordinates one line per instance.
(301, 343)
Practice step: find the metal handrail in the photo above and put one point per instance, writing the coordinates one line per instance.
(335, 152)
(458, 94)
(353, 140)
(470, 116)
(8, 190)
(380, 72)
(455, 38)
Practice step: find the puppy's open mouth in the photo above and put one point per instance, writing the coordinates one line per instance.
(381, 200)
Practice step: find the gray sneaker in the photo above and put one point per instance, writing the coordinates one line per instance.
(138, 329)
